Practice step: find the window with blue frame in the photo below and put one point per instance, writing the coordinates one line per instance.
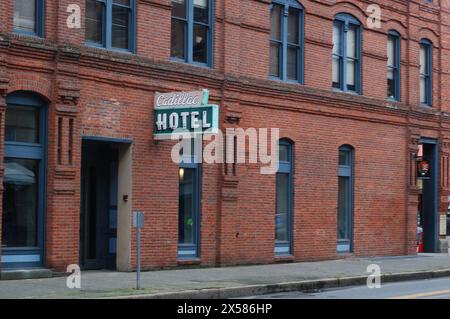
(110, 24)
(29, 17)
(346, 53)
(284, 199)
(191, 31)
(426, 74)
(189, 203)
(393, 65)
(286, 40)
(23, 181)
(345, 200)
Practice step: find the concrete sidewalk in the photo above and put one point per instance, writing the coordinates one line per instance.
(231, 281)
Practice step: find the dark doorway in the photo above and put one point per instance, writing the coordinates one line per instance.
(98, 220)
(429, 199)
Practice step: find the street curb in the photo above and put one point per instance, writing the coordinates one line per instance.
(304, 285)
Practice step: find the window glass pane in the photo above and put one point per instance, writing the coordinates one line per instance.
(201, 11)
(20, 208)
(283, 153)
(391, 51)
(178, 39)
(337, 38)
(25, 15)
(292, 60)
(344, 158)
(423, 95)
(343, 208)
(282, 198)
(22, 125)
(120, 25)
(293, 26)
(200, 45)
(179, 8)
(336, 71)
(282, 193)
(351, 69)
(423, 59)
(94, 21)
(390, 74)
(351, 42)
(186, 206)
(275, 23)
(275, 59)
(281, 227)
(122, 2)
(390, 84)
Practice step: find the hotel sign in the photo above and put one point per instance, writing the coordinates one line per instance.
(186, 112)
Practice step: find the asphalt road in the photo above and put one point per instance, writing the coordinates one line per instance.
(420, 289)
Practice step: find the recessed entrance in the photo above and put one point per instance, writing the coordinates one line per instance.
(99, 183)
(428, 199)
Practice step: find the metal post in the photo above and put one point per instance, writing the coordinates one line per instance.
(138, 222)
(138, 258)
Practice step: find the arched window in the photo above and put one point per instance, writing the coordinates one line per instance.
(347, 53)
(24, 180)
(393, 65)
(426, 72)
(284, 199)
(286, 40)
(345, 199)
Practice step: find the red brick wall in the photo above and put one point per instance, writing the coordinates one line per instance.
(111, 94)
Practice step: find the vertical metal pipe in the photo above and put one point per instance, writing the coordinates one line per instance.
(138, 258)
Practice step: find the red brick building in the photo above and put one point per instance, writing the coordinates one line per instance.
(358, 105)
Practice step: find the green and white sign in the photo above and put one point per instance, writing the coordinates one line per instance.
(187, 112)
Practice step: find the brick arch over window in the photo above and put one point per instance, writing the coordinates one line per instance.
(287, 140)
(349, 8)
(292, 3)
(430, 35)
(395, 25)
(35, 84)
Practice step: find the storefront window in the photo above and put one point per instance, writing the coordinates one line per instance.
(20, 207)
